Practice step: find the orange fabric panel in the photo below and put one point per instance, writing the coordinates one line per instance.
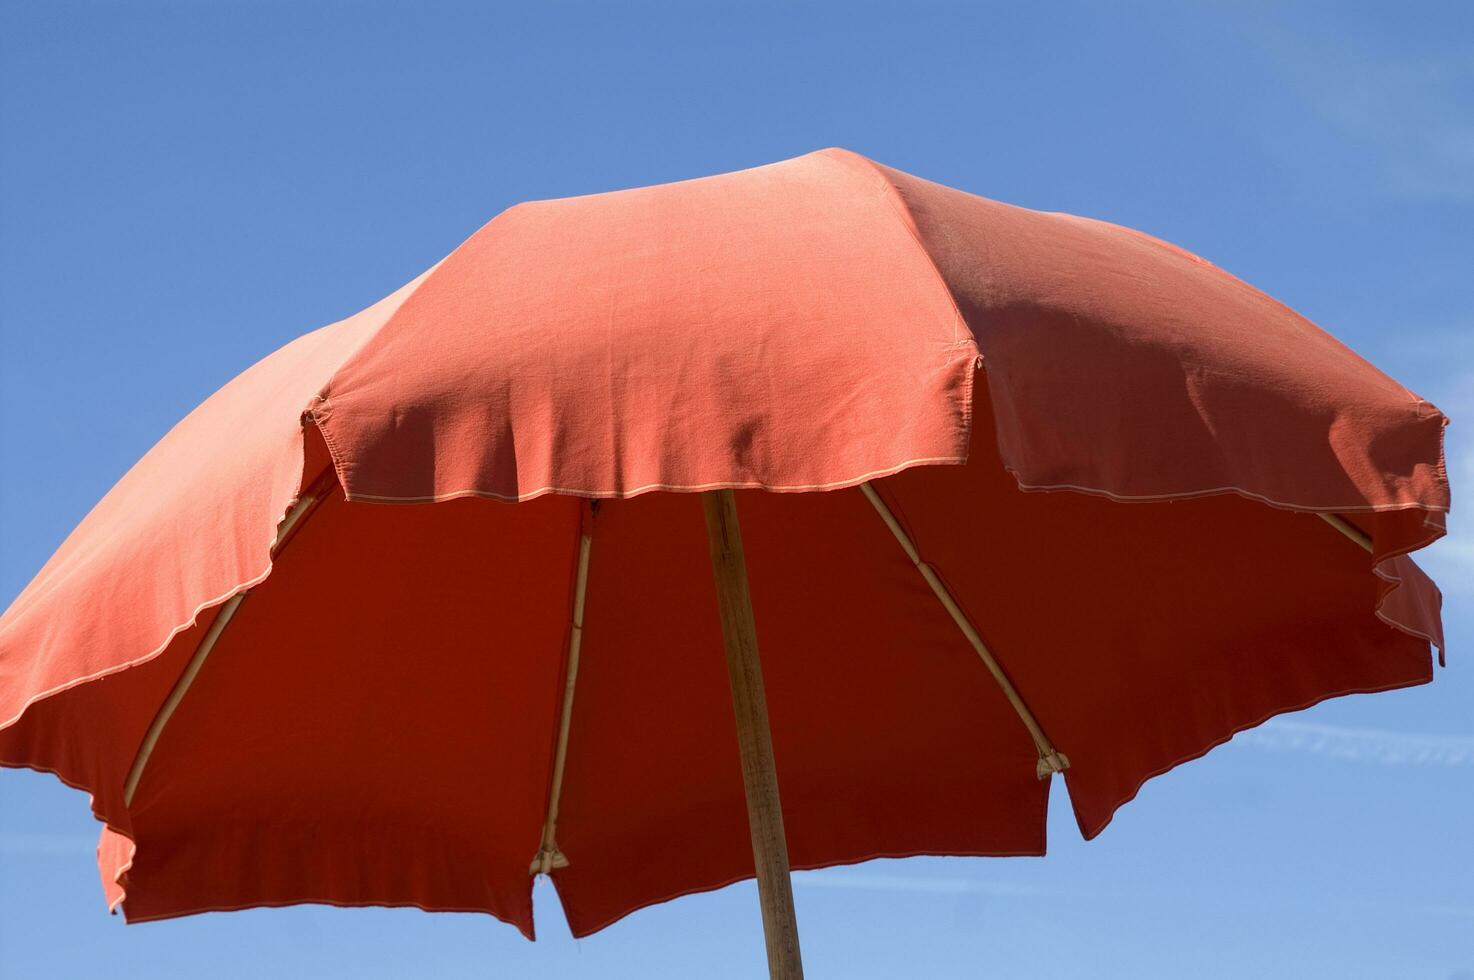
(375, 726)
(1121, 364)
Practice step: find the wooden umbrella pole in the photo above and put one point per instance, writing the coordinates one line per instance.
(754, 740)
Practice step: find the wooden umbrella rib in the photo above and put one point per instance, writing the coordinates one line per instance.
(548, 855)
(1050, 759)
(1350, 530)
(284, 531)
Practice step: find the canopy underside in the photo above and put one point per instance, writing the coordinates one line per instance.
(376, 725)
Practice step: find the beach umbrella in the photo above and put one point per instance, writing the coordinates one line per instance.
(435, 599)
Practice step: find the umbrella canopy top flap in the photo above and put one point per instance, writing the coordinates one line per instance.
(776, 327)
(814, 323)
(809, 325)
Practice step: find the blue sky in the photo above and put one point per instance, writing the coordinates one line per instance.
(186, 186)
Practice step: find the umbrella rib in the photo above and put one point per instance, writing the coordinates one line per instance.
(284, 531)
(1050, 759)
(1347, 528)
(548, 855)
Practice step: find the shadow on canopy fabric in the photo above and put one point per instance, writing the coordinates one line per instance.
(377, 724)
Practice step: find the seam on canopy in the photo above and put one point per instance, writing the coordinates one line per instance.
(653, 487)
(961, 332)
(188, 624)
(1239, 491)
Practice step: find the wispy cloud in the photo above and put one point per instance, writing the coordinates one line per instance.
(1409, 112)
(1411, 109)
(1449, 911)
(842, 879)
(1451, 563)
(1361, 744)
(864, 879)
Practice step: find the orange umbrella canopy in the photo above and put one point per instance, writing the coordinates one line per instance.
(1113, 457)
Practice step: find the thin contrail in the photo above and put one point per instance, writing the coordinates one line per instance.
(869, 881)
(855, 879)
(1362, 744)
